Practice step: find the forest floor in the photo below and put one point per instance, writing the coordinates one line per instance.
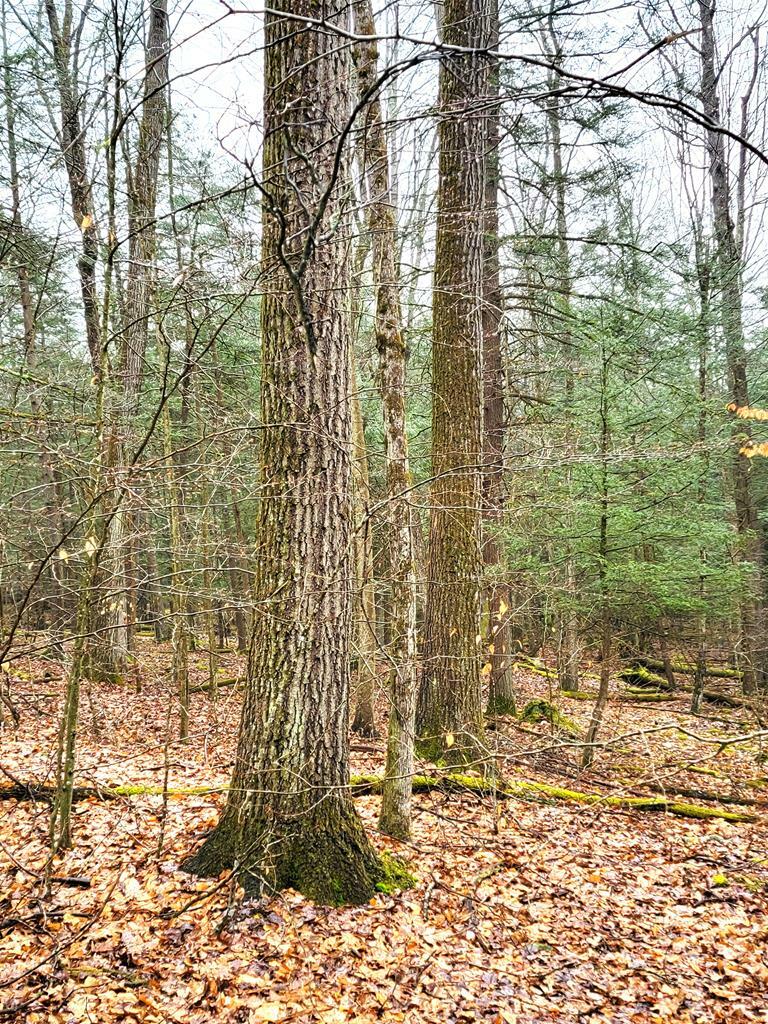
(524, 910)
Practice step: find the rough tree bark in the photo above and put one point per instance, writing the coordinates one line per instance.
(289, 819)
(450, 717)
(395, 818)
(730, 286)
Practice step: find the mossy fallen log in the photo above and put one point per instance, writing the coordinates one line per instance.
(639, 676)
(637, 693)
(528, 789)
(522, 789)
(535, 665)
(204, 687)
(687, 668)
(539, 710)
(539, 668)
(701, 794)
(45, 794)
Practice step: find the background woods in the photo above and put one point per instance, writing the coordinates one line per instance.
(383, 510)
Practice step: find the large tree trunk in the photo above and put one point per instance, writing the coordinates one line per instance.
(450, 717)
(289, 820)
(395, 819)
(730, 283)
(501, 693)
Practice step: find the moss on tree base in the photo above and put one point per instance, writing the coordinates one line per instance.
(451, 751)
(395, 875)
(499, 706)
(325, 856)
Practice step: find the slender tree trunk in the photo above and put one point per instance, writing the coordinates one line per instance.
(364, 618)
(598, 709)
(73, 148)
(289, 819)
(205, 549)
(730, 284)
(97, 533)
(241, 591)
(568, 645)
(501, 694)
(703, 274)
(154, 596)
(107, 655)
(55, 501)
(395, 818)
(139, 300)
(179, 598)
(450, 717)
(666, 660)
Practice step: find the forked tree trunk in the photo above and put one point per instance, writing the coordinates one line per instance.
(289, 819)
(395, 818)
(450, 718)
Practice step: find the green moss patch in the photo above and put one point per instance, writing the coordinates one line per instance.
(395, 875)
(540, 710)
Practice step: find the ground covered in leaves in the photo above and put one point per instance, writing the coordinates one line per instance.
(523, 911)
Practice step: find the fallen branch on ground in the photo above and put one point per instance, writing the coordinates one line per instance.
(361, 785)
(640, 677)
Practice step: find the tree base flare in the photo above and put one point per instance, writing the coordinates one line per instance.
(326, 856)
